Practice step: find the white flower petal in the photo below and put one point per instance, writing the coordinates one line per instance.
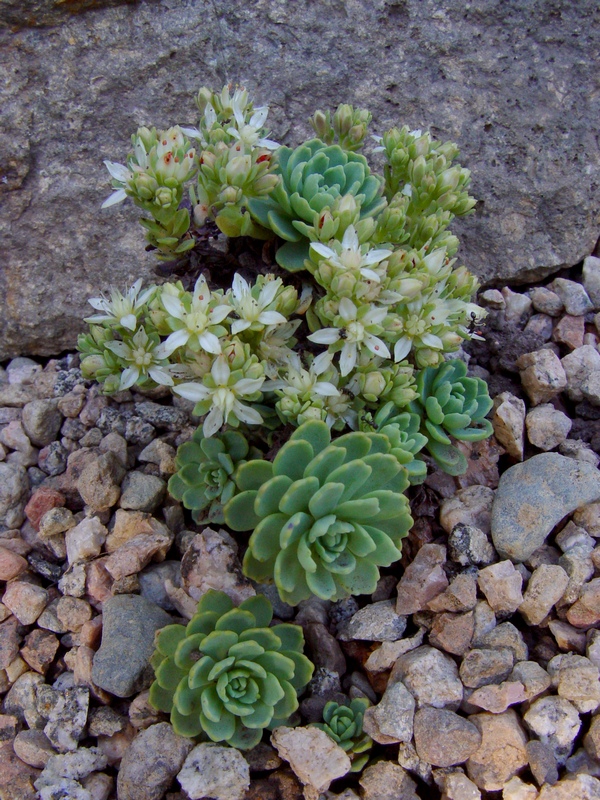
(325, 336)
(370, 275)
(268, 292)
(212, 423)
(128, 377)
(347, 358)
(220, 371)
(375, 256)
(173, 305)
(375, 315)
(239, 286)
(323, 250)
(114, 198)
(347, 309)
(171, 343)
(210, 343)
(191, 133)
(239, 325)
(97, 318)
(325, 389)
(376, 346)
(218, 314)
(119, 349)
(129, 321)
(247, 414)
(99, 303)
(118, 171)
(145, 296)
(161, 376)
(258, 119)
(402, 348)
(271, 318)
(192, 391)
(431, 340)
(268, 144)
(321, 363)
(248, 385)
(350, 239)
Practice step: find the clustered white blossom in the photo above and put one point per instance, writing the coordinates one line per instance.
(382, 302)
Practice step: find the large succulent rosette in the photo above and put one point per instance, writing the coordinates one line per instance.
(313, 177)
(326, 514)
(227, 674)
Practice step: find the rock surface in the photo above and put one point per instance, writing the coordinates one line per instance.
(215, 771)
(107, 71)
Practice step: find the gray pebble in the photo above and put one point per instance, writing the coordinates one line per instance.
(534, 496)
(121, 665)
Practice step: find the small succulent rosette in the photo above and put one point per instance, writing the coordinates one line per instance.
(227, 674)
(204, 478)
(344, 724)
(451, 406)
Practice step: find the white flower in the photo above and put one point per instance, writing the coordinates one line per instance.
(120, 309)
(143, 358)
(251, 311)
(356, 334)
(194, 324)
(223, 397)
(299, 381)
(274, 348)
(122, 175)
(351, 256)
(249, 132)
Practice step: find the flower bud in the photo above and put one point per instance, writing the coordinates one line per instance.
(91, 365)
(238, 169)
(143, 186)
(230, 195)
(342, 119)
(203, 98)
(320, 123)
(326, 226)
(286, 302)
(374, 384)
(165, 197)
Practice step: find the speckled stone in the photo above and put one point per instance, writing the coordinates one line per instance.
(534, 496)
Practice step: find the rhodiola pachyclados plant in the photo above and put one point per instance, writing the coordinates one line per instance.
(344, 724)
(227, 674)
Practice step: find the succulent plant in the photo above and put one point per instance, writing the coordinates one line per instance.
(344, 724)
(204, 478)
(451, 406)
(326, 514)
(227, 674)
(317, 182)
(402, 429)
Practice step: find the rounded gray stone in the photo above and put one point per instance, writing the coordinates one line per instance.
(151, 762)
(14, 488)
(444, 738)
(42, 420)
(129, 622)
(536, 495)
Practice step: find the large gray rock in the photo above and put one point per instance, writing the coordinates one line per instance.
(513, 86)
(534, 496)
